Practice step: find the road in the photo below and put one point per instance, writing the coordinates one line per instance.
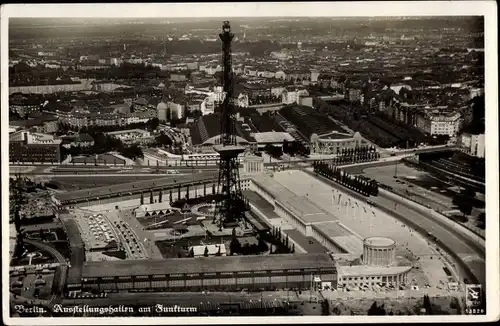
(39, 168)
(62, 277)
(472, 255)
(152, 171)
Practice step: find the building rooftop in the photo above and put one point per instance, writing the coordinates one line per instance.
(272, 137)
(306, 210)
(308, 121)
(207, 265)
(299, 205)
(262, 204)
(379, 242)
(212, 249)
(154, 207)
(341, 236)
(123, 132)
(309, 244)
(208, 126)
(335, 136)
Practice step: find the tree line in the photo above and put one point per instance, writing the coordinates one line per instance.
(150, 125)
(365, 186)
(357, 154)
(294, 148)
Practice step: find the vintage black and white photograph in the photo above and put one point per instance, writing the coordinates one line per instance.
(273, 163)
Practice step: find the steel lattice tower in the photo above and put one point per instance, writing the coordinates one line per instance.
(230, 204)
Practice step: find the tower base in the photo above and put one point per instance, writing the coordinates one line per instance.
(231, 204)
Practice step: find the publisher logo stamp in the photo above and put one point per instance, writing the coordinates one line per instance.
(474, 299)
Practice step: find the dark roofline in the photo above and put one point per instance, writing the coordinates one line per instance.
(135, 186)
(223, 264)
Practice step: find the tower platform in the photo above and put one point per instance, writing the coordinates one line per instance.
(229, 150)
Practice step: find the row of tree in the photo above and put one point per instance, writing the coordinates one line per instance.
(273, 151)
(205, 253)
(357, 154)
(64, 128)
(465, 201)
(276, 233)
(426, 308)
(295, 148)
(364, 186)
(104, 144)
(170, 194)
(376, 310)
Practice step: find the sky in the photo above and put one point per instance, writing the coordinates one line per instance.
(255, 9)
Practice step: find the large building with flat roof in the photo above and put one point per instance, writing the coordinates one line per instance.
(225, 273)
(306, 217)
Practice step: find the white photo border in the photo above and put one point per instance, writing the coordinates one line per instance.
(487, 9)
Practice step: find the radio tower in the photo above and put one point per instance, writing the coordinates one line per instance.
(230, 204)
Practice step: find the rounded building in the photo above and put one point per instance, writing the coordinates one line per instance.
(162, 111)
(379, 251)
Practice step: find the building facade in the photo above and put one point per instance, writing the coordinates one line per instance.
(176, 110)
(162, 111)
(379, 251)
(473, 145)
(334, 143)
(253, 164)
(291, 97)
(442, 124)
(76, 86)
(33, 147)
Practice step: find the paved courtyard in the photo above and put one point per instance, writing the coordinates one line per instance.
(149, 237)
